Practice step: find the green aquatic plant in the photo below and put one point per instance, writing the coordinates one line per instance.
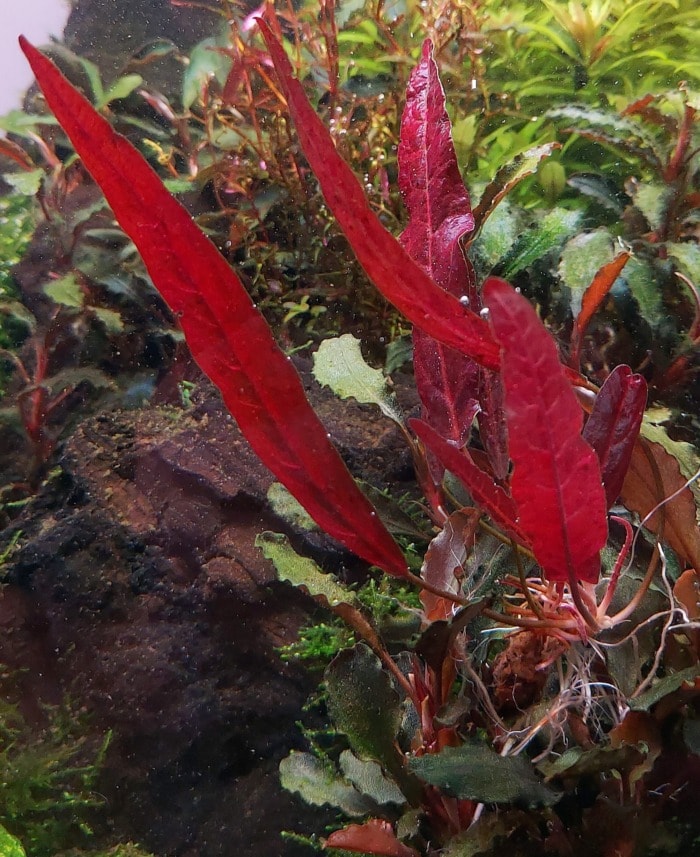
(47, 780)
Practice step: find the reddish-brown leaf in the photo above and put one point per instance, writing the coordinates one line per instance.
(226, 334)
(592, 299)
(556, 481)
(653, 476)
(439, 215)
(373, 837)
(444, 561)
(485, 493)
(613, 426)
(404, 283)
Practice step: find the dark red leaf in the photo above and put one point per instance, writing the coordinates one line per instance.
(556, 481)
(226, 334)
(613, 426)
(592, 299)
(373, 837)
(385, 261)
(485, 493)
(439, 215)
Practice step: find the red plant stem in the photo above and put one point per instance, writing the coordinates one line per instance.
(677, 160)
(619, 562)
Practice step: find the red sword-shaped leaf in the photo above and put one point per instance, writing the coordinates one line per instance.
(226, 334)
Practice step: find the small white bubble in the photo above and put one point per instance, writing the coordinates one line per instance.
(517, 290)
(484, 313)
(464, 300)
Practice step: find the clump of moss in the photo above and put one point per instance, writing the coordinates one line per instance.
(47, 779)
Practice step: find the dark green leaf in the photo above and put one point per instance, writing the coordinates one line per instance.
(319, 785)
(364, 705)
(475, 772)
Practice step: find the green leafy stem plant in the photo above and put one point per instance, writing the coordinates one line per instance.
(514, 451)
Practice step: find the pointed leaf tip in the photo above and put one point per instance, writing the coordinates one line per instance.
(226, 334)
(402, 282)
(556, 482)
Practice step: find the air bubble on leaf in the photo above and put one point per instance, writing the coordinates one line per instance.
(464, 300)
(484, 313)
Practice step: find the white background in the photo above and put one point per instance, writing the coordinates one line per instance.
(37, 20)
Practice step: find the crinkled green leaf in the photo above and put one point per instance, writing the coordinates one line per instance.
(663, 687)
(66, 290)
(475, 772)
(301, 571)
(319, 785)
(110, 318)
(581, 259)
(652, 200)
(687, 257)
(363, 704)
(550, 233)
(339, 364)
(289, 508)
(577, 762)
(643, 284)
(10, 846)
(26, 182)
(496, 237)
(601, 189)
(16, 310)
(369, 779)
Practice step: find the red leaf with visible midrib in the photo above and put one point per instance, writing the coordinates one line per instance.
(592, 299)
(440, 214)
(556, 481)
(404, 283)
(485, 493)
(226, 334)
(373, 837)
(613, 426)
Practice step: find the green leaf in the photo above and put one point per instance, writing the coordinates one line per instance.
(663, 687)
(554, 229)
(66, 290)
(319, 785)
(179, 185)
(10, 846)
(110, 318)
(640, 278)
(687, 257)
(302, 572)
(289, 508)
(24, 124)
(121, 88)
(652, 200)
(25, 182)
(475, 772)
(509, 176)
(16, 310)
(363, 704)
(691, 735)
(369, 779)
(581, 258)
(496, 236)
(339, 364)
(205, 62)
(577, 762)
